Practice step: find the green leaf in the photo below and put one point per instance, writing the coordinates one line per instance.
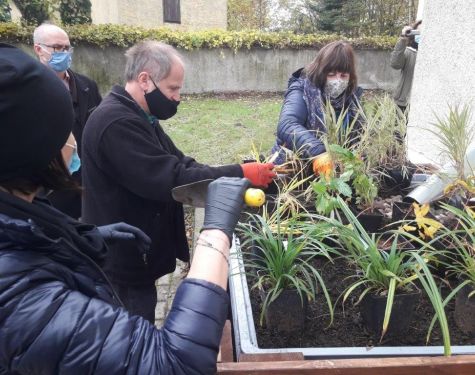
(343, 188)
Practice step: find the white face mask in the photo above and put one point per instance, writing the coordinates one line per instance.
(335, 87)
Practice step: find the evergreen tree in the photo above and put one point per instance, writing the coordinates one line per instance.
(75, 12)
(5, 11)
(34, 12)
(331, 16)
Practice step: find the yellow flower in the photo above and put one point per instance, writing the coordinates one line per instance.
(421, 211)
(427, 226)
(408, 228)
(430, 231)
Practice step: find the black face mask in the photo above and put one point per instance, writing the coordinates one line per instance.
(159, 105)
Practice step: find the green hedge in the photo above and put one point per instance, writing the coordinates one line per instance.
(124, 36)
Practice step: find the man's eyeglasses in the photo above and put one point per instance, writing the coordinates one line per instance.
(58, 47)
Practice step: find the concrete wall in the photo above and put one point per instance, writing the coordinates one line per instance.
(444, 72)
(195, 14)
(222, 70)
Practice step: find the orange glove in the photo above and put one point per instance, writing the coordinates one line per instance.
(323, 164)
(260, 174)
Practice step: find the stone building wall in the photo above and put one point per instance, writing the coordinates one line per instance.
(195, 14)
(204, 14)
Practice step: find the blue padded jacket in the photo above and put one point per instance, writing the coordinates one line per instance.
(59, 315)
(293, 129)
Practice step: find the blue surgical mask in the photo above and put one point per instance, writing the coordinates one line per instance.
(60, 61)
(75, 162)
(417, 38)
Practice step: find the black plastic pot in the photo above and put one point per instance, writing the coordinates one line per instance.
(464, 310)
(373, 307)
(395, 182)
(287, 313)
(401, 211)
(372, 222)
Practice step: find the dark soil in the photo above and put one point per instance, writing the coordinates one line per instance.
(348, 329)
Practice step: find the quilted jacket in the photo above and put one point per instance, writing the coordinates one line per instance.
(59, 314)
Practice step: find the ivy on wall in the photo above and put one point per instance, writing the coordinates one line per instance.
(124, 36)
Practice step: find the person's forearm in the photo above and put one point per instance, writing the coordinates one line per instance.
(211, 257)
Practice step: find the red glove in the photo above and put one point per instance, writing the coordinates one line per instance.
(260, 174)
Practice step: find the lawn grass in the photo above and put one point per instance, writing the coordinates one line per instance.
(222, 129)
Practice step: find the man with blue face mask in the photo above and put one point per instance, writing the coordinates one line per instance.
(403, 58)
(53, 49)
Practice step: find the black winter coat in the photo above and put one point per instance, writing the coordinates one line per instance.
(58, 313)
(130, 166)
(86, 97)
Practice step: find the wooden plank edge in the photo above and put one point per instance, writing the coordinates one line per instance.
(455, 365)
(226, 345)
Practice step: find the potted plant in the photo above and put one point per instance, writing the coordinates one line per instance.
(459, 259)
(350, 180)
(386, 279)
(384, 147)
(282, 269)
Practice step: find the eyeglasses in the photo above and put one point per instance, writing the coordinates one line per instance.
(59, 47)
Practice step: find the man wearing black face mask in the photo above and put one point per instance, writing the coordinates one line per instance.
(130, 166)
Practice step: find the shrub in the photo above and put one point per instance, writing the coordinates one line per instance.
(124, 36)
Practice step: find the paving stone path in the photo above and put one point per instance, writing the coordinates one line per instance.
(167, 285)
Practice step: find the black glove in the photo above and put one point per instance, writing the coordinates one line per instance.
(125, 232)
(224, 202)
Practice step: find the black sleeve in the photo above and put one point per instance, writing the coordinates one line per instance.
(135, 159)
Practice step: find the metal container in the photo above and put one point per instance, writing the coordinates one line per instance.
(245, 333)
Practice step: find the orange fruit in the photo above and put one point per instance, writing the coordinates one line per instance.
(323, 164)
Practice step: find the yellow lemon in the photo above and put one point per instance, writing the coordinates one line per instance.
(254, 197)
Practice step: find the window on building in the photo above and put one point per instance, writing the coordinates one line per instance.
(171, 11)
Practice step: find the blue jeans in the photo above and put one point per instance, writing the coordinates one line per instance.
(138, 300)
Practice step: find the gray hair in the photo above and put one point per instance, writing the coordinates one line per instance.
(155, 58)
(41, 31)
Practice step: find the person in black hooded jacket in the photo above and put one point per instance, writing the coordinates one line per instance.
(130, 166)
(59, 313)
